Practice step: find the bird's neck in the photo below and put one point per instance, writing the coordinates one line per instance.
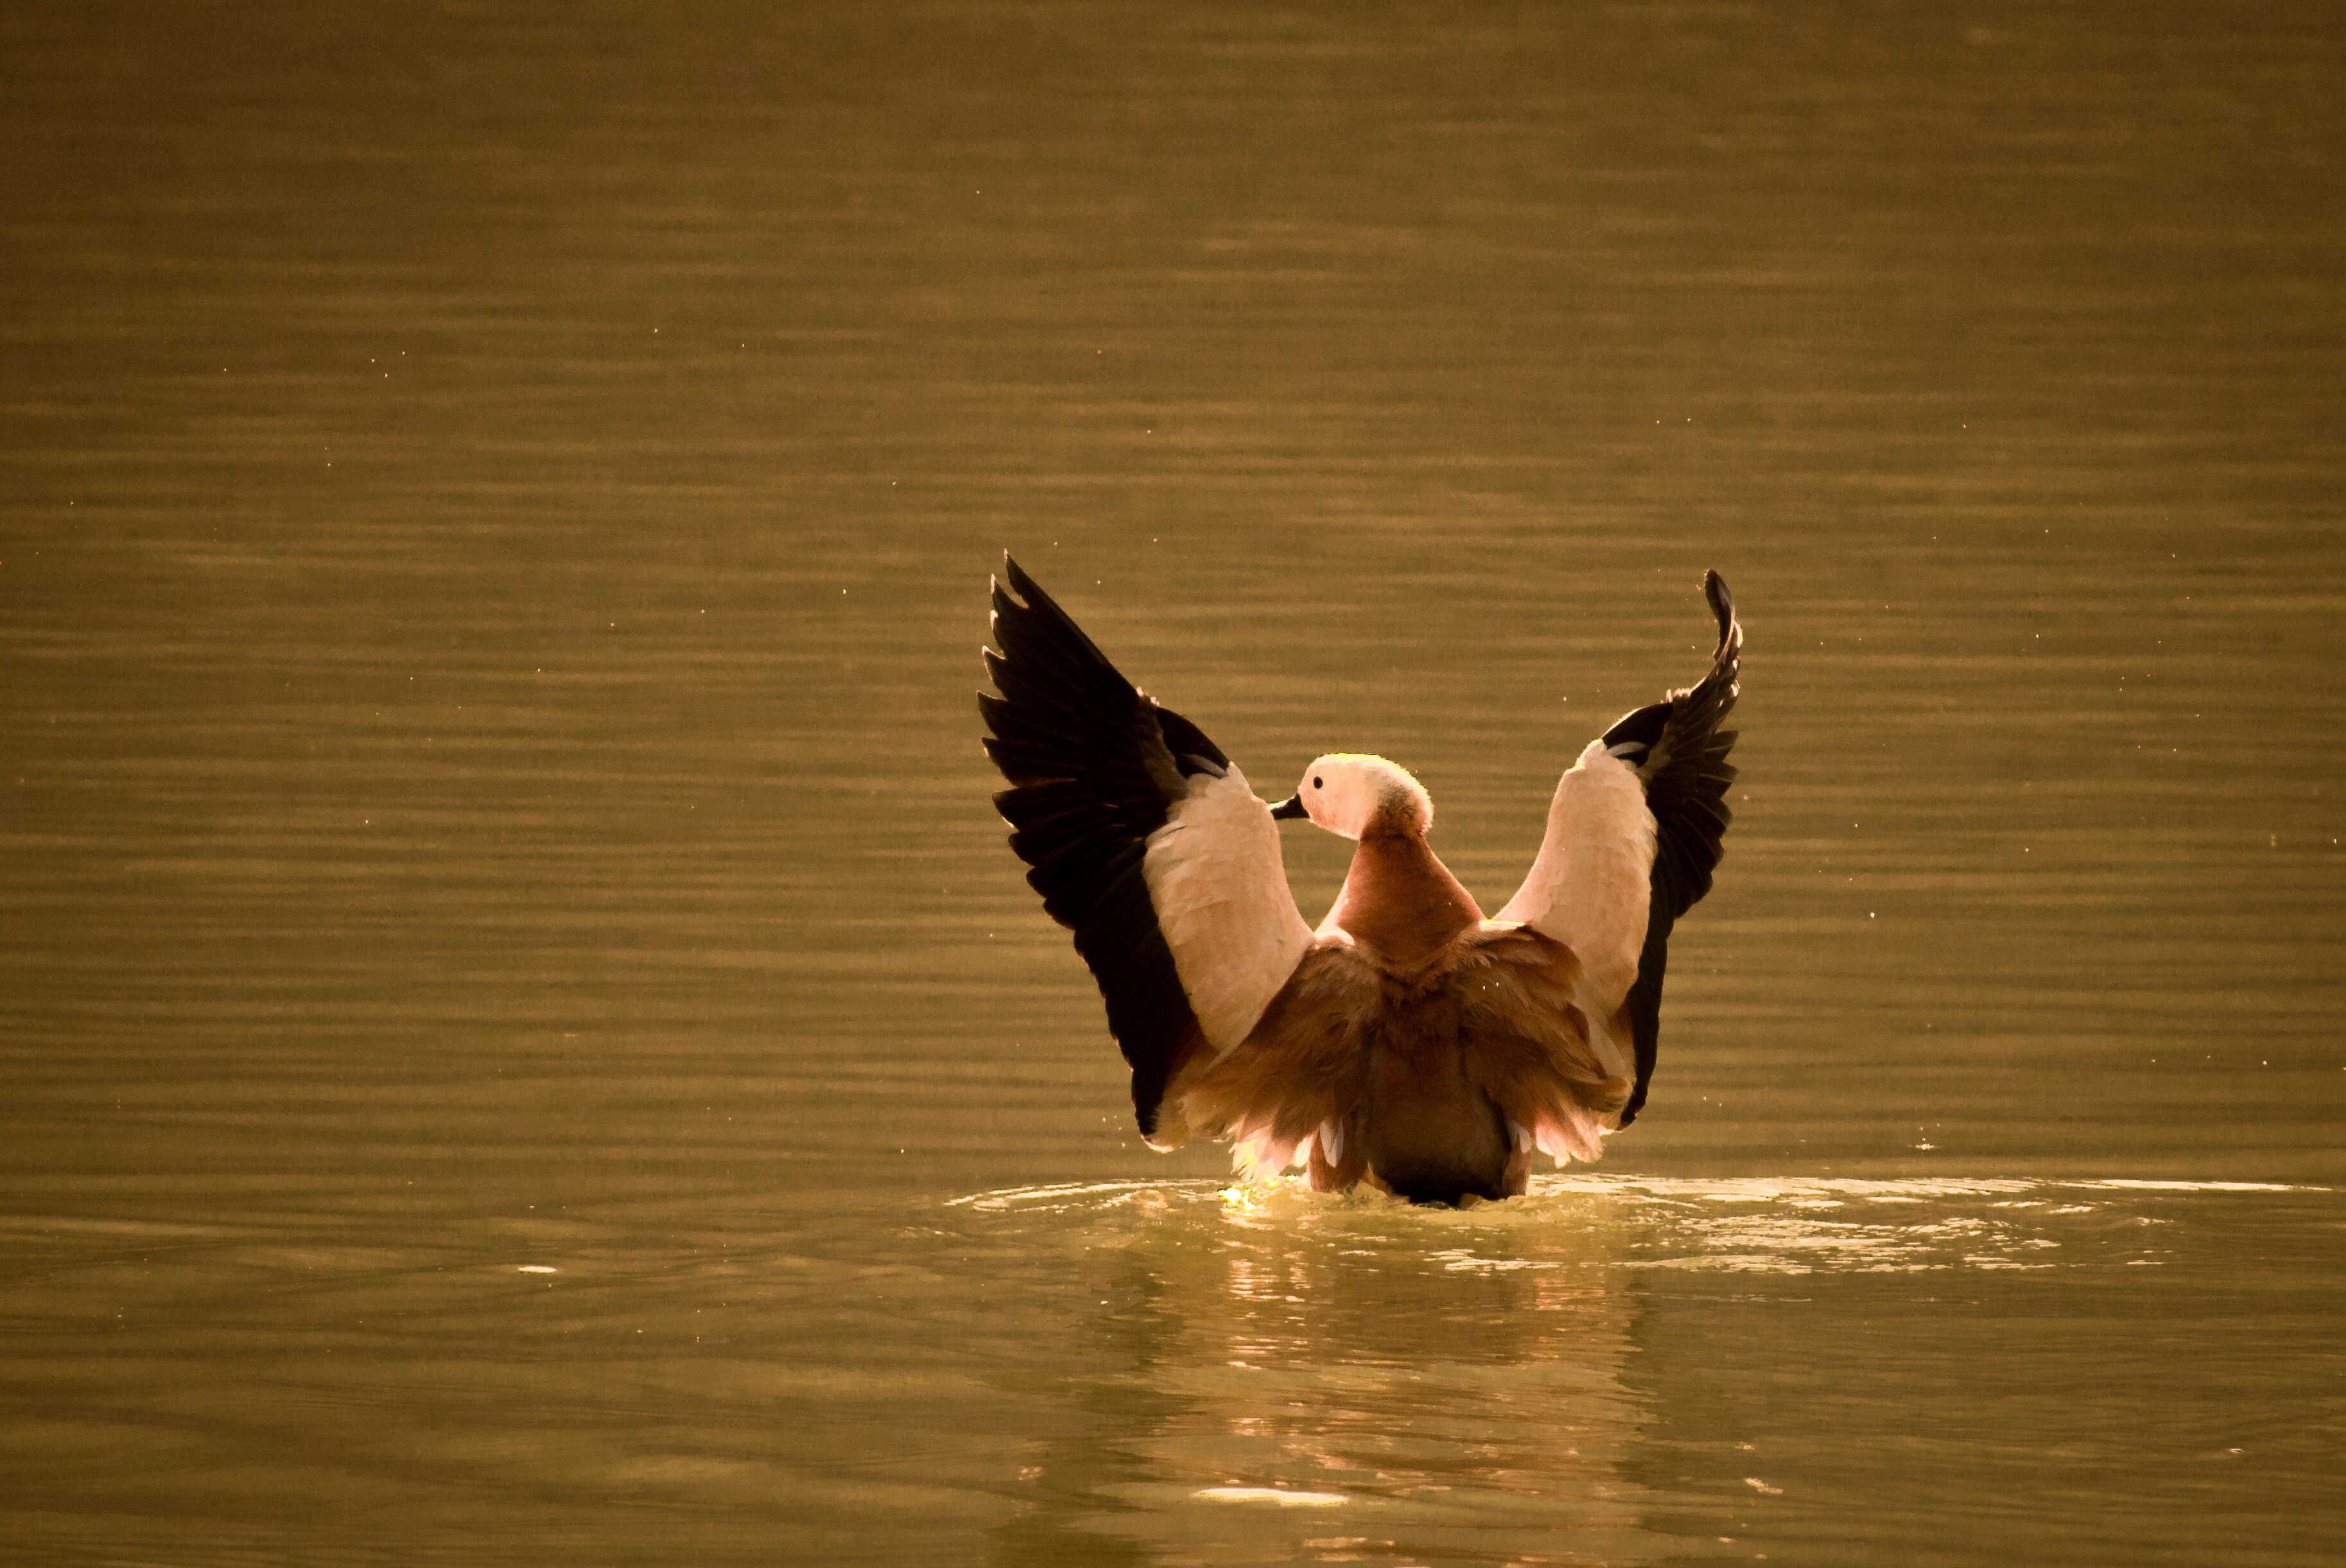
(1400, 901)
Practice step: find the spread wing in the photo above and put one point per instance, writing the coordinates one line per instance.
(1633, 836)
(1143, 838)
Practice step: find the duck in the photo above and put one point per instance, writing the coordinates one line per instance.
(1407, 1042)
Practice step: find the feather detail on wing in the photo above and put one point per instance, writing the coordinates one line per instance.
(1530, 1045)
(1219, 885)
(1633, 836)
(1589, 887)
(1297, 1079)
(1143, 840)
(1684, 765)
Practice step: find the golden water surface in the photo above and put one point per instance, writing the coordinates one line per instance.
(522, 1040)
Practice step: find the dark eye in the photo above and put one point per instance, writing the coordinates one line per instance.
(1315, 783)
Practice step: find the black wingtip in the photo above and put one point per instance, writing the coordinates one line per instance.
(1020, 583)
(1722, 605)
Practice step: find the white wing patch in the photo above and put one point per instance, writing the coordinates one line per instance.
(1590, 886)
(1219, 885)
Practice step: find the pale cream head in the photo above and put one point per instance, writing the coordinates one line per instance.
(1349, 793)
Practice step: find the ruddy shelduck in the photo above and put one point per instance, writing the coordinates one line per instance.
(1408, 1043)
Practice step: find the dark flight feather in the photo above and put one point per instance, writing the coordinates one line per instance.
(1680, 753)
(1094, 766)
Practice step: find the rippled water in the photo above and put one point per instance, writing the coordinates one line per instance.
(522, 1037)
(1613, 1369)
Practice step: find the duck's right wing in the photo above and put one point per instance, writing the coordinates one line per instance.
(1633, 836)
(1143, 840)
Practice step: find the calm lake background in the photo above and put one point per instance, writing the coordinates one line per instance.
(521, 1035)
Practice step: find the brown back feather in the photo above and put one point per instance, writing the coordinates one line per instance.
(1416, 1068)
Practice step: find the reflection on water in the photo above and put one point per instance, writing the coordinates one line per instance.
(1610, 1369)
(1290, 1349)
(1391, 1384)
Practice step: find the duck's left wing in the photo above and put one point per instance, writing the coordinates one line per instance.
(1143, 838)
(1633, 836)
